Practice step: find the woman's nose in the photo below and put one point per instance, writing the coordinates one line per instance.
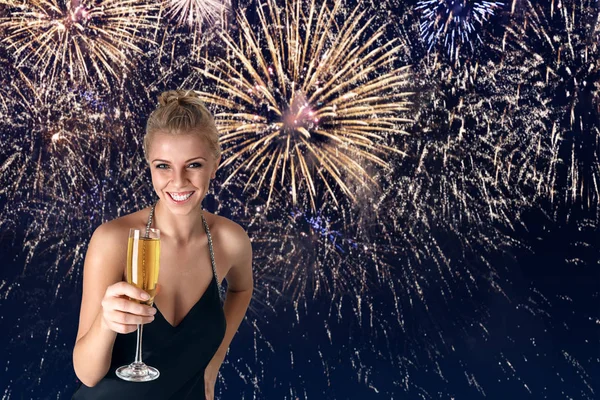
(180, 178)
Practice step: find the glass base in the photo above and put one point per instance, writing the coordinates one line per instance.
(137, 372)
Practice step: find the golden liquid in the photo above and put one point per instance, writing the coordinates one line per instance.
(143, 256)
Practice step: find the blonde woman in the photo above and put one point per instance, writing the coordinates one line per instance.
(188, 328)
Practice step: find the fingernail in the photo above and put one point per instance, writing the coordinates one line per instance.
(145, 296)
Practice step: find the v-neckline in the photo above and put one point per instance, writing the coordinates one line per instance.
(189, 311)
(213, 281)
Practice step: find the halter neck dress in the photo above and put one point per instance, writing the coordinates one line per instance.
(180, 353)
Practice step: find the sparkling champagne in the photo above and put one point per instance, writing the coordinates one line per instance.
(143, 256)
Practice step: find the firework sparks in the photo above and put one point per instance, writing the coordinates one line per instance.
(558, 46)
(76, 37)
(307, 100)
(454, 24)
(311, 254)
(412, 279)
(69, 151)
(476, 162)
(196, 13)
(442, 220)
(47, 161)
(59, 123)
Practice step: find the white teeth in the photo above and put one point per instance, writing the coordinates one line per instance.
(177, 197)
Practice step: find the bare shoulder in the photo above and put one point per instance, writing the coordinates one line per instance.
(237, 247)
(109, 241)
(104, 264)
(116, 226)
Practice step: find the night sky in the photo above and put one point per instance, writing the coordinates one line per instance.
(420, 181)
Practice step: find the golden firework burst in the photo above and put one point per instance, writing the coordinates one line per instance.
(312, 96)
(78, 37)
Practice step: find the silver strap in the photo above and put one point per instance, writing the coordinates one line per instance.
(212, 254)
(150, 220)
(210, 246)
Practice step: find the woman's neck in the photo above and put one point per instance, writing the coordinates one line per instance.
(182, 229)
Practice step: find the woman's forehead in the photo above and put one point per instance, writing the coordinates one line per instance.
(179, 146)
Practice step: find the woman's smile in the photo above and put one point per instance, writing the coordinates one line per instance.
(180, 197)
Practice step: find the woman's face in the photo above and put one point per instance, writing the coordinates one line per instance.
(181, 167)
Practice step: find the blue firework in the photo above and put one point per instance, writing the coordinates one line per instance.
(454, 25)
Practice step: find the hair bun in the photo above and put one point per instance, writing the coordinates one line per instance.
(182, 112)
(176, 96)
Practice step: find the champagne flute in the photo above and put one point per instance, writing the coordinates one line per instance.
(143, 254)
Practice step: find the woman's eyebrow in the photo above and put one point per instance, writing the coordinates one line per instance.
(187, 161)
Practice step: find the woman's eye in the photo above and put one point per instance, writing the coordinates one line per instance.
(195, 165)
(162, 166)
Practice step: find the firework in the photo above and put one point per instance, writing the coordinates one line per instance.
(77, 38)
(557, 46)
(196, 13)
(455, 25)
(47, 159)
(72, 157)
(477, 161)
(448, 211)
(59, 123)
(304, 255)
(307, 101)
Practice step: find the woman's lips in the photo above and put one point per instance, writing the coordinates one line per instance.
(180, 197)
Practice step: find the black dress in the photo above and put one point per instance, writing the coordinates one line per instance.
(180, 353)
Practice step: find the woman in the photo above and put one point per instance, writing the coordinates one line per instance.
(188, 330)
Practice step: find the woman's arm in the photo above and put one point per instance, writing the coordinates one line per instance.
(105, 305)
(240, 283)
(103, 267)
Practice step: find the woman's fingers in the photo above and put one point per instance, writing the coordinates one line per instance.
(130, 319)
(121, 322)
(125, 305)
(124, 329)
(122, 314)
(126, 289)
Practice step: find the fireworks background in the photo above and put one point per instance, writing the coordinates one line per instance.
(419, 180)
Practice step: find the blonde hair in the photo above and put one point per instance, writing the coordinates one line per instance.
(182, 112)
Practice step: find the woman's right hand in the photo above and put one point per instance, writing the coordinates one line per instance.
(122, 315)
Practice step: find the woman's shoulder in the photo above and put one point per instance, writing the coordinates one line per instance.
(228, 234)
(118, 228)
(220, 225)
(236, 246)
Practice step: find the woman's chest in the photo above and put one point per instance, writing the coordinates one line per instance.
(185, 275)
(189, 265)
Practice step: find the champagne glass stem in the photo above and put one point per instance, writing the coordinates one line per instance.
(138, 349)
